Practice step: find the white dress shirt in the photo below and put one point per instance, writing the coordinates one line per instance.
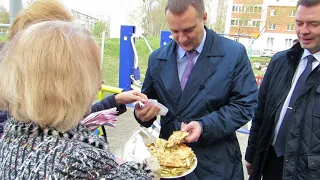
(302, 65)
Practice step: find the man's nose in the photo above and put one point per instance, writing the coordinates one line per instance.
(182, 38)
(304, 29)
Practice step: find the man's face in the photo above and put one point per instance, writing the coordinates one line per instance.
(308, 27)
(188, 28)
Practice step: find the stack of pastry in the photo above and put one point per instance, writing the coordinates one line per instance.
(174, 158)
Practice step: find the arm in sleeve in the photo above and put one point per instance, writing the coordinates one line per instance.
(257, 120)
(149, 91)
(241, 106)
(108, 103)
(93, 163)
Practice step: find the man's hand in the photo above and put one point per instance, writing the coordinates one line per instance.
(148, 112)
(249, 167)
(194, 128)
(128, 97)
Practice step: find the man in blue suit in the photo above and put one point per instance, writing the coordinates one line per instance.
(212, 102)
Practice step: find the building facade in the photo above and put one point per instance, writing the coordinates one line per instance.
(83, 19)
(270, 23)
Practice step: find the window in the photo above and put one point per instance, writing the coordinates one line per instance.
(290, 27)
(249, 9)
(258, 24)
(270, 42)
(233, 22)
(237, 8)
(240, 9)
(293, 13)
(272, 12)
(272, 27)
(257, 9)
(245, 23)
(234, 8)
(288, 42)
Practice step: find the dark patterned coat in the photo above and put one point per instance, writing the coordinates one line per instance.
(28, 152)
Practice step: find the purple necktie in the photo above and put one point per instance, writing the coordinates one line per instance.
(186, 73)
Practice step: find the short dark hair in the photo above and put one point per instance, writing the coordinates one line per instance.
(308, 3)
(178, 7)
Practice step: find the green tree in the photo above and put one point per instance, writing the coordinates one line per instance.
(99, 27)
(4, 18)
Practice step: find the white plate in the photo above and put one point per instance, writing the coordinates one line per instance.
(186, 173)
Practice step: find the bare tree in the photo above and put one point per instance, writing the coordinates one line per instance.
(221, 13)
(30, 1)
(151, 15)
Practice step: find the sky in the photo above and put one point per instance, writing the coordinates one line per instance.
(117, 11)
(95, 8)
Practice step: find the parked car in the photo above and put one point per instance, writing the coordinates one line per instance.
(268, 53)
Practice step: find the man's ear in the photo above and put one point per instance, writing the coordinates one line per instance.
(204, 17)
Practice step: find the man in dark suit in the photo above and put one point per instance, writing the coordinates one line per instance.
(206, 82)
(285, 134)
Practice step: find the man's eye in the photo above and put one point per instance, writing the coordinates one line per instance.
(315, 24)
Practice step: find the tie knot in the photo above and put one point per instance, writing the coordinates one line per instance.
(310, 58)
(191, 54)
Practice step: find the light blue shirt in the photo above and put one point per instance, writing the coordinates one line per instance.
(182, 59)
(302, 65)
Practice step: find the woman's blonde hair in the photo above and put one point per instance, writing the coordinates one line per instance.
(38, 11)
(50, 74)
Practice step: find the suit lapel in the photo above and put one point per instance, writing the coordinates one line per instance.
(169, 75)
(313, 78)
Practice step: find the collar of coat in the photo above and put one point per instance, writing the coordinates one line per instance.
(80, 133)
(294, 54)
(212, 46)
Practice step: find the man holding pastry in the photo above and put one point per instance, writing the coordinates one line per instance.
(207, 84)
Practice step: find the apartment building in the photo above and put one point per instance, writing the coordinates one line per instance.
(279, 30)
(246, 17)
(83, 19)
(270, 23)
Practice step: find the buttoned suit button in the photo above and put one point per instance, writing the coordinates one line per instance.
(202, 87)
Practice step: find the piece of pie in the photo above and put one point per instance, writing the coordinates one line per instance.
(176, 138)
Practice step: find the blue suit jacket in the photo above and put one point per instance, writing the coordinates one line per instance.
(221, 93)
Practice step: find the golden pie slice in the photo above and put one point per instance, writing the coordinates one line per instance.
(176, 138)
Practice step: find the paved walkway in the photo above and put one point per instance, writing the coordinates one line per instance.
(127, 125)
